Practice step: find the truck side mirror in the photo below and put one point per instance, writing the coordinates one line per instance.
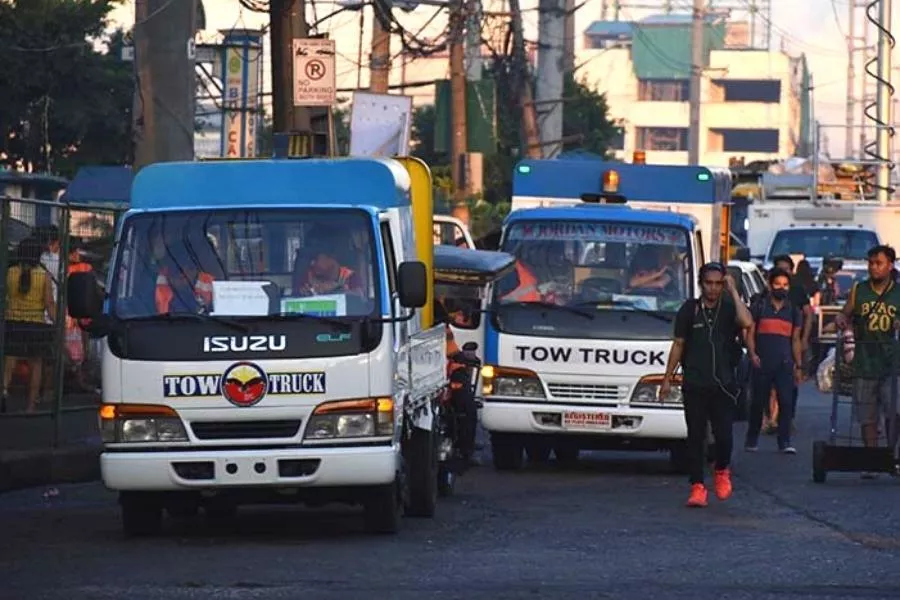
(412, 284)
(84, 297)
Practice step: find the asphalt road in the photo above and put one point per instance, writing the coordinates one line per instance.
(615, 527)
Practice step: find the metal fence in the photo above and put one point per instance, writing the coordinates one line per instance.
(51, 367)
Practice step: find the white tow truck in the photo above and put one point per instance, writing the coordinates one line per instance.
(575, 350)
(267, 338)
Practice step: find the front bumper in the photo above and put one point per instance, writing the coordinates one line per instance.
(211, 469)
(545, 418)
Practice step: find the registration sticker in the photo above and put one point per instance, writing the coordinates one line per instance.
(586, 420)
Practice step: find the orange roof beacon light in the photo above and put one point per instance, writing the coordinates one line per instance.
(639, 157)
(610, 182)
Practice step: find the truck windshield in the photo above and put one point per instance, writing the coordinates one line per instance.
(852, 244)
(585, 275)
(246, 263)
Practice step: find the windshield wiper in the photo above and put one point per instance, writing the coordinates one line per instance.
(624, 303)
(542, 304)
(187, 316)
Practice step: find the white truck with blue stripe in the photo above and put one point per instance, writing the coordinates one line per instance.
(577, 338)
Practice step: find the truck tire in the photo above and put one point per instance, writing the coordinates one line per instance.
(566, 454)
(507, 452)
(142, 513)
(421, 457)
(538, 451)
(678, 458)
(383, 508)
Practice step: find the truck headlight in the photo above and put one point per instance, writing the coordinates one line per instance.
(342, 419)
(140, 423)
(646, 392)
(508, 381)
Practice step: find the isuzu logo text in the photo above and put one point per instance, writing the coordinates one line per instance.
(247, 343)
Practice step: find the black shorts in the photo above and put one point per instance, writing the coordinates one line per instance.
(28, 340)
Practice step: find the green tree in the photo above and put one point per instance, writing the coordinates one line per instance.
(585, 121)
(64, 104)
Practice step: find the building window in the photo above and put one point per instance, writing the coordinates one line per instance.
(663, 90)
(662, 139)
(744, 140)
(767, 91)
(617, 141)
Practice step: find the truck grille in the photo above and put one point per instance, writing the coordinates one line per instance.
(237, 430)
(602, 393)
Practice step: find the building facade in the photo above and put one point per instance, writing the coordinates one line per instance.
(755, 104)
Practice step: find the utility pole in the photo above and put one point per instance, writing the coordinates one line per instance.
(458, 124)
(380, 61)
(549, 88)
(851, 80)
(165, 98)
(885, 124)
(530, 135)
(288, 22)
(569, 46)
(474, 62)
(698, 19)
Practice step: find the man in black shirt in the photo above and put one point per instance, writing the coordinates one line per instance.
(704, 342)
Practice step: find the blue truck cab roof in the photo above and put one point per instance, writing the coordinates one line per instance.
(569, 179)
(373, 183)
(602, 213)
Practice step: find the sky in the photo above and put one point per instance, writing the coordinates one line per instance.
(815, 28)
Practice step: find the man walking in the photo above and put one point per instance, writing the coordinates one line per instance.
(800, 299)
(704, 341)
(871, 311)
(775, 353)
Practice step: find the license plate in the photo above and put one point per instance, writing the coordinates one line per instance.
(586, 420)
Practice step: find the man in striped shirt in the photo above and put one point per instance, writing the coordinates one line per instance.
(776, 358)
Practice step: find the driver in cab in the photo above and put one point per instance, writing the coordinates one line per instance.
(652, 269)
(181, 284)
(324, 274)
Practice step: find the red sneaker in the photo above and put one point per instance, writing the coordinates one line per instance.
(698, 496)
(722, 483)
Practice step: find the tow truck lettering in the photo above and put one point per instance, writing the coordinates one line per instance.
(207, 386)
(248, 343)
(592, 355)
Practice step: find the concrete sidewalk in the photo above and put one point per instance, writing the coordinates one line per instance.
(28, 457)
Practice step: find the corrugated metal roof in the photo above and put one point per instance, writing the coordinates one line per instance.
(615, 29)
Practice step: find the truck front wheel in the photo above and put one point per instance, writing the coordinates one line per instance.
(142, 513)
(507, 452)
(383, 508)
(420, 453)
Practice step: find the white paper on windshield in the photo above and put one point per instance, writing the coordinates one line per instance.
(331, 305)
(638, 302)
(240, 298)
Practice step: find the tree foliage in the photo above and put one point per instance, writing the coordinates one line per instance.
(63, 103)
(585, 118)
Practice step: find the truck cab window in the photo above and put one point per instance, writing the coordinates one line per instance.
(247, 262)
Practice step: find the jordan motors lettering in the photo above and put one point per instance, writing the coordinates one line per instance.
(243, 384)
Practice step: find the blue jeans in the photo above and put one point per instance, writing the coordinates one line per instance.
(782, 379)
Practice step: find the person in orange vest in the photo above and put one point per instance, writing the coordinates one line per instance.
(325, 275)
(75, 338)
(523, 282)
(457, 394)
(181, 285)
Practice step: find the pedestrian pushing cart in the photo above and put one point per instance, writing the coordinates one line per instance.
(845, 450)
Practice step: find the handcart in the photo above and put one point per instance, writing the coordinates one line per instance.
(461, 277)
(844, 450)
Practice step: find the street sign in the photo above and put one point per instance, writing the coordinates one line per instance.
(315, 82)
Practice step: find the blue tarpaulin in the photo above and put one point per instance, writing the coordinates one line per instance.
(102, 185)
